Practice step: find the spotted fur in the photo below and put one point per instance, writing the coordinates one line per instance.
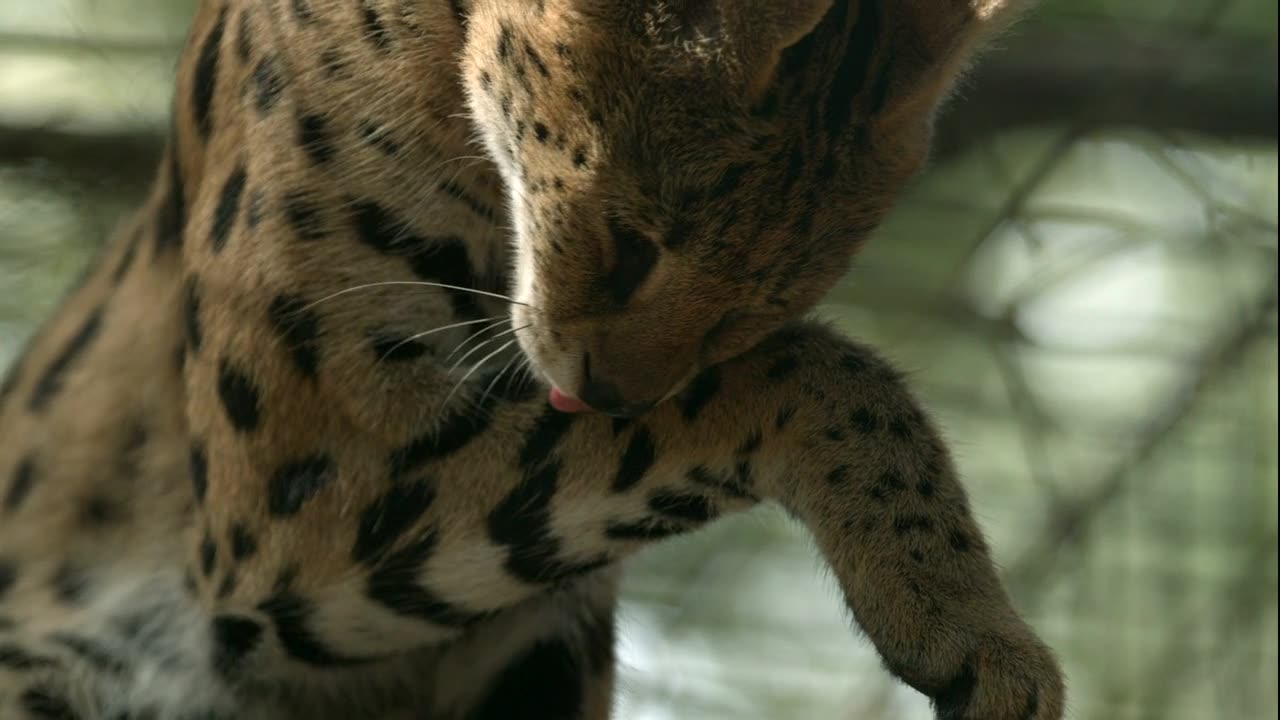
(248, 469)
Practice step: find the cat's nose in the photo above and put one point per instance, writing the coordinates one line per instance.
(604, 396)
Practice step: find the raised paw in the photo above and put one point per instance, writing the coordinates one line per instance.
(1006, 678)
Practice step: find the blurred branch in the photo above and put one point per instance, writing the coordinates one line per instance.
(130, 156)
(1106, 76)
(72, 44)
(1237, 608)
(1071, 522)
(1164, 80)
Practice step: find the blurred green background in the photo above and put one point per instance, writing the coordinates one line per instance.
(1083, 287)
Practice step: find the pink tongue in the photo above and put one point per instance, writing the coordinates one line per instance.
(566, 403)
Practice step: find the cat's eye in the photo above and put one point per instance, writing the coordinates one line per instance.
(634, 257)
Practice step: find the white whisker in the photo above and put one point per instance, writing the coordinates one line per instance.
(420, 335)
(473, 369)
(493, 383)
(418, 283)
(472, 351)
(472, 338)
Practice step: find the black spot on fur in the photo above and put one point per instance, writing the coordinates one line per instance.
(952, 700)
(838, 475)
(374, 30)
(854, 363)
(13, 657)
(376, 135)
(191, 315)
(450, 435)
(290, 615)
(42, 703)
(636, 460)
(233, 639)
(208, 555)
(302, 11)
(959, 541)
(8, 576)
(728, 182)
(634, 258)
(69, 584)
(24, 478)
(522, 523)
(244, 38)
(378, 228)
(579, 157)
(1032, 707)
(205, 83)
(540, 132)
(10, 381)
(227, 587)
(100, 510)
(889, 483)
(864, 421)
(313, 134)
(243, 543)
(545, 683)
(394, 585)
(299, 329)
(906, 524)
(397, 349)
(537, 62)
(332, 62)
(504, 43)
(679, 233)
(541, 441)
(294, 484)
(784, 417)
(171, 218)
(224, 216)
(925, 488)
(303, 215)
(442, 260)
(257, 204)
(199, 468)
(782, 368)
(682, 506)
(700, 392)
(268, 85)
(50, 382)
(900, 428)
(752, 443)
(388, 517)
(239, 397)
(90, 651)
(457, 192)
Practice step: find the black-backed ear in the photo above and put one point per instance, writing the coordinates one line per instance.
(926, 45)
(746, 36)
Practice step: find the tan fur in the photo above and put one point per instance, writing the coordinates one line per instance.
(381, 533)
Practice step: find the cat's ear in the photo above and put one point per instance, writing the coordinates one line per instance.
(747, 35)
(926, 45)
(912, 51)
